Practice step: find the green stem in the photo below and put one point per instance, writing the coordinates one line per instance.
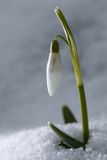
(85, 124)
(62, 38)
(77, 71)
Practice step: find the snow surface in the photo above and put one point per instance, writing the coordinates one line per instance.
(42, 144)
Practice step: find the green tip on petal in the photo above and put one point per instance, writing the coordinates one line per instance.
(54, 48)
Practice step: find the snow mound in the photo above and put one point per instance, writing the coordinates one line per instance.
(42, 144)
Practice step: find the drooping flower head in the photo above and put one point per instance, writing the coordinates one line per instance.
(54, 68)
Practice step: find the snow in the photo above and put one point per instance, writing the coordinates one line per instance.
(42, 144)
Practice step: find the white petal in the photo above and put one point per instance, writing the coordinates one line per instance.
(54, 72)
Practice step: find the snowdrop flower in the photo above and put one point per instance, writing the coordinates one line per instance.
(54, 68)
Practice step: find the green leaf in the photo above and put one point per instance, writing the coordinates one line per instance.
(66, 138)
(68, 116)
(63, 144)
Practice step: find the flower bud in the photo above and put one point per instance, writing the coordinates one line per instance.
(54, 68)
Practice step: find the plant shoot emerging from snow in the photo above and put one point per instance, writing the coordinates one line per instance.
(54, 70)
